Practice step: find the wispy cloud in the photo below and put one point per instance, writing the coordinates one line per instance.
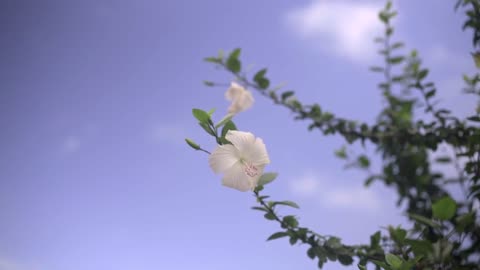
(330, 195)
(345, 28)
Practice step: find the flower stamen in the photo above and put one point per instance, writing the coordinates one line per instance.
(251, 170)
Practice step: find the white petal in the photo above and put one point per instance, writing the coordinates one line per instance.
(234, 91)
(236, 178)
(240, 139)
(223, 158)
(257, 154)
(240, 97)
(243, 102)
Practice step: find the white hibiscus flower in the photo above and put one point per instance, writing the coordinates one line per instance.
(241, 162)
(241, 98)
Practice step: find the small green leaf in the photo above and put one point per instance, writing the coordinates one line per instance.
(443, 159)
(345, 259)
(233, 64)
(474, 118)
(311, 253)
(207, 129)
(476, 58)
(260, 79)
(260, 208)
(430, 93)
(224, 120)
(444, 209)
(277, 235)
(201, 115)
(209, 83)
(396, 60)
(363, 161)
(229, 125)
(394, 261)
(290, 221)
(377, 69)
(424, 220)
(192, 144)
(422, 74)
(213, 60)
(269, 216)
(267, 178)
(361, 267)
(286, 95)
(288, 203)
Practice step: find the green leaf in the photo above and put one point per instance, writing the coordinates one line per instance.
(207, 128)
(260, 79)
(192, 144)
(267, 178)
(474, 118)
(260, 208)
(201, 115)
(476, 58)
(363, 161)
(422, 74)
(377, 69)
(213, 60)
(288, 203)
(345, 259)
(311, 253)
(361, 267)
(394, 261)
(443, 159)
(233, 64)
(430, 93)
(380, 264)
(269, 216)
(444, 209)
(209, 83)
(286, 95)
(229, 125)
(396, 60)
(290, 221)
(224, 120)
(424, 220)
(277, 235)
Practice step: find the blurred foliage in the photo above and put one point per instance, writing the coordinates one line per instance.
(445, 231)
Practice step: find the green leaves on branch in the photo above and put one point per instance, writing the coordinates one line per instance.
(202, 116)
(267, 178)
(277, 235)
(444, 209)
(261, 80)
(233, 63)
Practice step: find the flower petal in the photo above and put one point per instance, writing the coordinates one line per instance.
(236, 178)
(241, 98)
(240, 139)
(223, 158)
(234, 91)
(257, 154)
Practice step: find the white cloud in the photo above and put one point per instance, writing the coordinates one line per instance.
(344, 28)
(71, 144)
(331, 195)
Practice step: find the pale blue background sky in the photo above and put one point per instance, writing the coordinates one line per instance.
(96, 98)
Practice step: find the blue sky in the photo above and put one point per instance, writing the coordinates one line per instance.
(96, 99)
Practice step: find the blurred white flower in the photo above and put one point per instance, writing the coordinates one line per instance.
(241, 162)
(241, 98)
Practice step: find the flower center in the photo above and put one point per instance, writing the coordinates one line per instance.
(250, 170)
